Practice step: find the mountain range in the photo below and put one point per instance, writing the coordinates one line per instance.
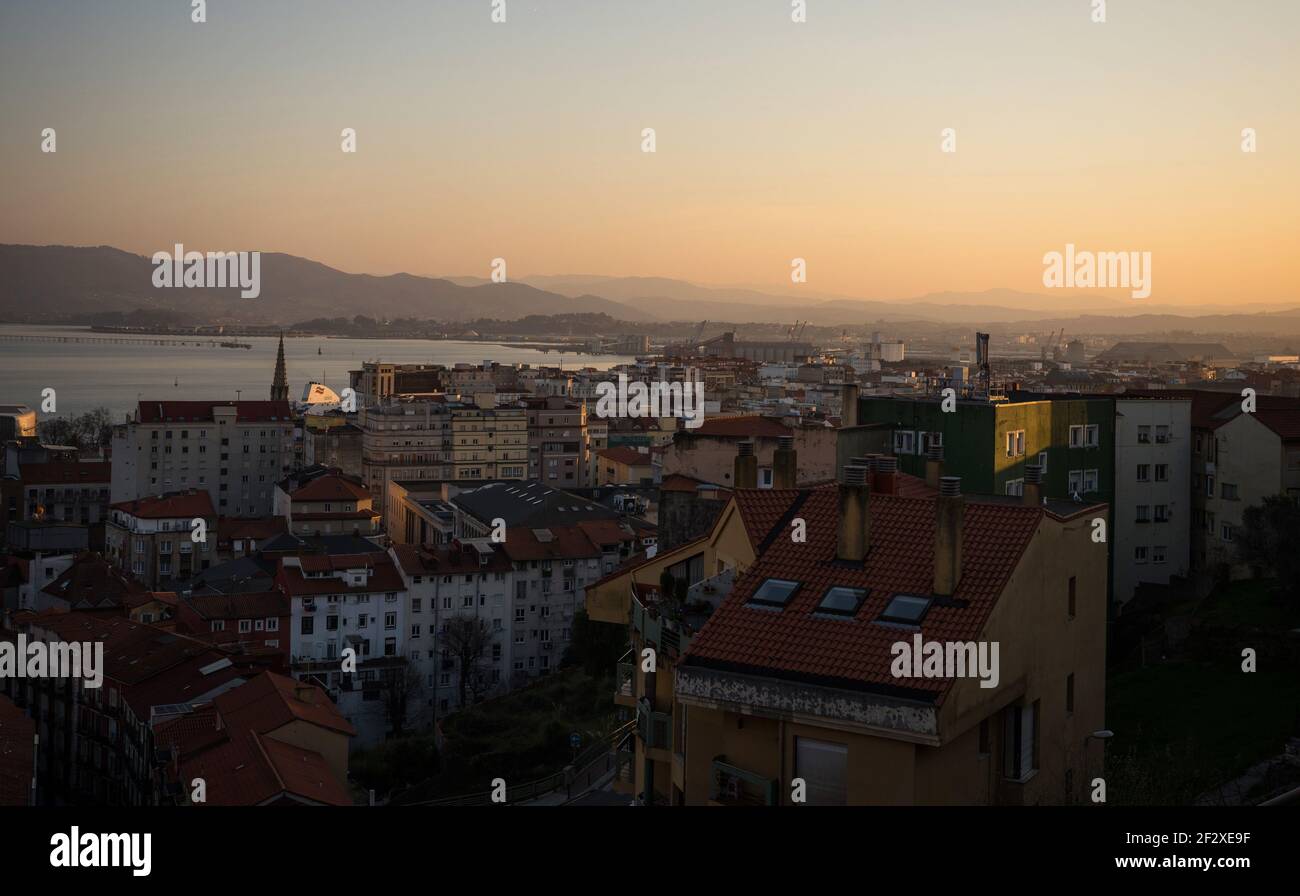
(51, 281)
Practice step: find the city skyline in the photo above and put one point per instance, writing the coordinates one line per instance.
(523, 140)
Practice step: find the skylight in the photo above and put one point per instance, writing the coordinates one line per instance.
(841, 600)
(908, 609)
(774, 593)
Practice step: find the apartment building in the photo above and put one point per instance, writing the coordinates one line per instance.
(558, 443)
(234, 450)
(793, 675)
(708, 452)
(152, 538)
(1245, 458)
(252, 622)
(97, 744)
(331, 504)
(353, 602)
(623, 466)
(68, 491)
(1153, 510)
(439, 440)
(38, 553)
(989, 444)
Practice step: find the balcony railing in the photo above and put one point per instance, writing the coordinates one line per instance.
(625, 682)
(654, 728)
(734, 786)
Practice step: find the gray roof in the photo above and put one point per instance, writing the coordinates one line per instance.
(529, 504)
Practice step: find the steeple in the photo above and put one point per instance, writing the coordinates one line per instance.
(280, 387)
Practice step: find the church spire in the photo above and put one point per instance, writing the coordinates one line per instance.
(280, 387)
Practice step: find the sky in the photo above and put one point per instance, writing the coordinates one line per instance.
(774, 140)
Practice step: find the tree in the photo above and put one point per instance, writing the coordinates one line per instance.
(465, 640)
(89, 431)
(595, 646)
(401, 685)
(1269, 541)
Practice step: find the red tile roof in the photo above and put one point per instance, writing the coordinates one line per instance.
(418, 560)
(271, 701)
(792, 642)
(201, 411)
(384, 576)
(753, 426)
(563, 543)
(250, 605)
(91, 581)
(621, 454)
(230, 527)
(331, 488)
(67, 473)
(186, 505)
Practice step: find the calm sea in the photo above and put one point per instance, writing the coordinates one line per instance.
(86, 375)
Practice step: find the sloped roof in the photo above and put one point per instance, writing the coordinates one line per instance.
(174, 505)
(795, 643)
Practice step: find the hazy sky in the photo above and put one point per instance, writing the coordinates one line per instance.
(774, 140)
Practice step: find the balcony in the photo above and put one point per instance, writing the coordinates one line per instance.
(656, 732)
(734, 786)
(625, 681)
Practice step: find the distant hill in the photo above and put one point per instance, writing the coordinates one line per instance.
(65, 280)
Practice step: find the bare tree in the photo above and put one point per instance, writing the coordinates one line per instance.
(466, 640)
(401, 685)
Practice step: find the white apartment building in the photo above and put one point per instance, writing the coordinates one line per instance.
(1152, 513)
(234, 450)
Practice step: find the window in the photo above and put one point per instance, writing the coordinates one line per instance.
(1015, 487)
(1162, 435)
(1092, 435)
(1072, 591)
(1143, 472)
(905, 442)
(1090, 481)
(1143, 513)
(1228, 491)
(1076, 436)
(1162, 513)
(390, 620)
(774, 593)
(273, 624)
(906, 609)
(1140, 554)
(842, 601)
(1158, 553)
(823, 766)
(1020, 742)
(245, 626)
(309, 625)
(1075, 485)
(1015, 443)
(1209, 486)
(1144, 435)
(1226, 532)
(1162, 472)
(1042, 461)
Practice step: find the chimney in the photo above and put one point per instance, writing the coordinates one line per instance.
(933, 466)
(745, 473)
(855, 515)
(785, 468)
(848, 405)
(1033, 491)
(885, 479)
(949, 511)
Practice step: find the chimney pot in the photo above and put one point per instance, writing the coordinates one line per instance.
(950, 486)
(855, 474)
(1033, 473)
(746, 448)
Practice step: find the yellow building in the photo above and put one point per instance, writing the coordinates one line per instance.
(775, 681)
